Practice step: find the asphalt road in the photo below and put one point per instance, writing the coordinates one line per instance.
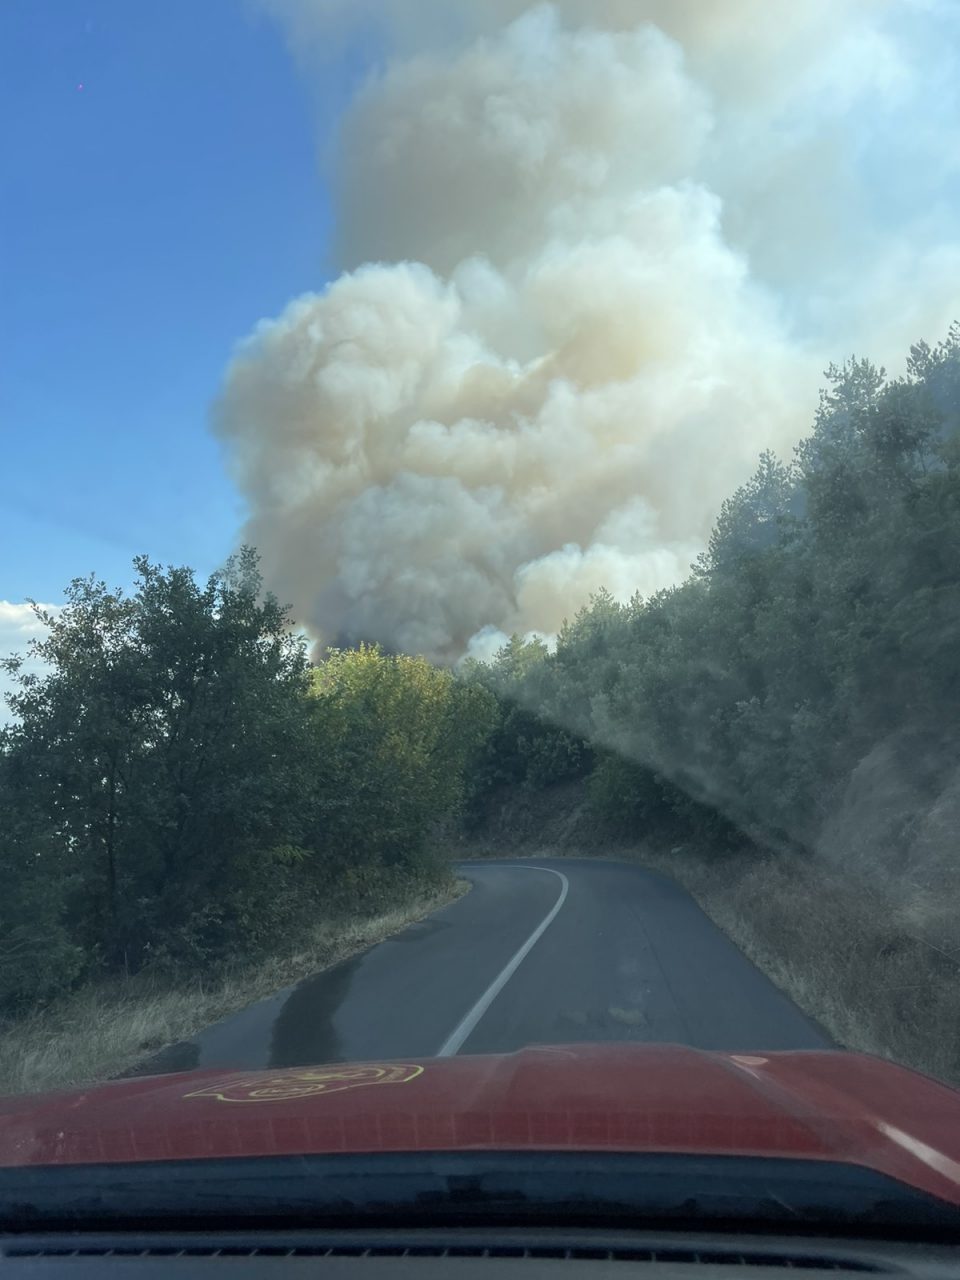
(538, 952)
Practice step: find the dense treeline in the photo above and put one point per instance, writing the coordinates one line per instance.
(180, 788)
(822, 620)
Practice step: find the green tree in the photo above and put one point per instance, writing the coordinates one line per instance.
(823, 618)
(165, 738)
(395, 737)
(525, 745)
(37, 956)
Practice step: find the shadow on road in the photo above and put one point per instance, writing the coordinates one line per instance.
(303, 1033)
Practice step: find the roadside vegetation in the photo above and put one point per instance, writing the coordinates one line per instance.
(187, 804)
(184, 796)
(107, 1027)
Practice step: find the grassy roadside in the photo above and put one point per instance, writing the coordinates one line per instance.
(876, 963)
(104, 1029)
(851, 956)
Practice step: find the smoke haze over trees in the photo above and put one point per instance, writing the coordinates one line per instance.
(816, 642)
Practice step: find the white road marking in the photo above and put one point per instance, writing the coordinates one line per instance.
(463, 1028)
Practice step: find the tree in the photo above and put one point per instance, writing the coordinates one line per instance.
(395, 737)
(524, 744)
(823, 618)
(37, 956)
(163, 741)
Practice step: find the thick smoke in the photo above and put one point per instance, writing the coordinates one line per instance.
(595, 257)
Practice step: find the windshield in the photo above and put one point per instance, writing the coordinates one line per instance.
(480, 576)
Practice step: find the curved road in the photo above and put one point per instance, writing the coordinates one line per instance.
(539, 952)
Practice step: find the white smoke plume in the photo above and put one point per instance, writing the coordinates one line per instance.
(595, 255)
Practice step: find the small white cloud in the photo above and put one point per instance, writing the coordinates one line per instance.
(18, 626)
(19, 623)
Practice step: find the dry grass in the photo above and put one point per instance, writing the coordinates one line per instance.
(858, 959)
(103, 1030)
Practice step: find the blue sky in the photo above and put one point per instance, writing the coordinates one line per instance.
(147, 221)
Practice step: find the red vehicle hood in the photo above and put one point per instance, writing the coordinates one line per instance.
(827, 1106)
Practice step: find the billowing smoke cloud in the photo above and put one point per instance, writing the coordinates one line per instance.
(595, 256)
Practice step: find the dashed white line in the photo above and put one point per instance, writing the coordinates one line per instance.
(463, 1028)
